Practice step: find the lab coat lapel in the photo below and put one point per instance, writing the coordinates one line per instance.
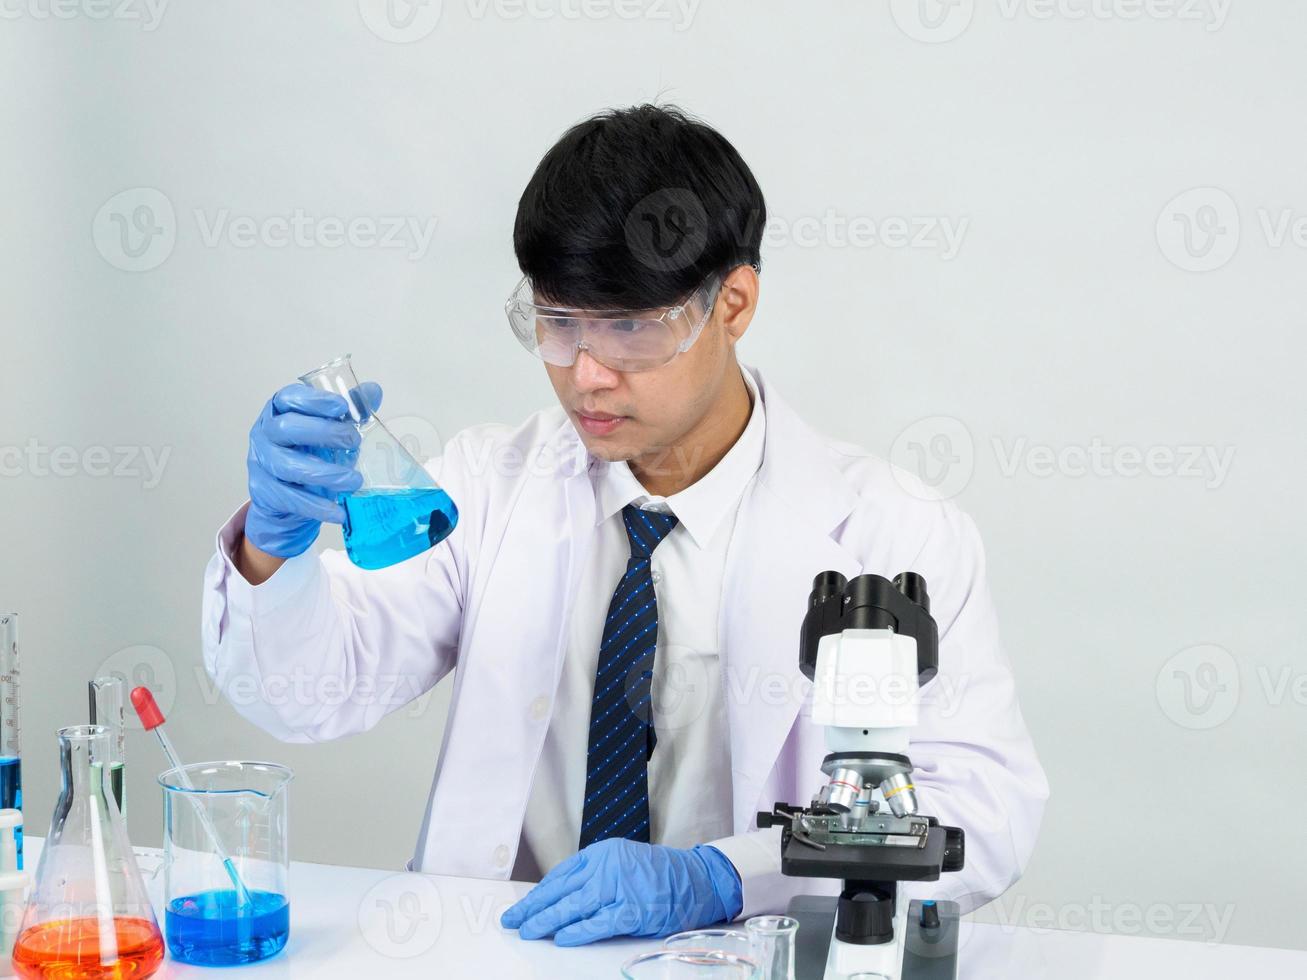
(782, 539)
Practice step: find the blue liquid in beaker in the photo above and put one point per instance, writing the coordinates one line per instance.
(11, 793)
(383, 527)
(212, 929)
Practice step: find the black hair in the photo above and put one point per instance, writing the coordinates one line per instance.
(634, 208)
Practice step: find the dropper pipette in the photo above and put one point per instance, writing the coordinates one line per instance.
(152, 718)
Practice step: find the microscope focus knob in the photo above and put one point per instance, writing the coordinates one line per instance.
(955, 849)
(865, 916)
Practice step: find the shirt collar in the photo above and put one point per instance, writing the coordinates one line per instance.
(703, 505)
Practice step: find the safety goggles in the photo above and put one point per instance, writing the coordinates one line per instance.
(622, 340)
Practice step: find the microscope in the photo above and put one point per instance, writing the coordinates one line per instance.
(869, 645)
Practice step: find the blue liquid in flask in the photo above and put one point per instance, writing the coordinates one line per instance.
(385, 526)
(213, 929)
(11, 794)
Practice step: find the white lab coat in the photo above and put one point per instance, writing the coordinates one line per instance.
(493, 601)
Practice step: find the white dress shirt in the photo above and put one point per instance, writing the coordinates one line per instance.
(690, 770)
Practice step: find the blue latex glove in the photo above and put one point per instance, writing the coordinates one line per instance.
(624, 888)
(303, 447)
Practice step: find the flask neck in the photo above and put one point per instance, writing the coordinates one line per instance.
(83, 750)
(338, 378)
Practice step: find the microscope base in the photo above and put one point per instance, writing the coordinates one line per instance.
(935, 958)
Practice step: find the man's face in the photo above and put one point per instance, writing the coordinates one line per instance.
(632, 415)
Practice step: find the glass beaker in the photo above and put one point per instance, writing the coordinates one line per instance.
(688, 964)
(399, 511)
(88, 915)
(209, 921)
(772, 939)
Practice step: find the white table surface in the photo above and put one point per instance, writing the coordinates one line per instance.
(368, 924)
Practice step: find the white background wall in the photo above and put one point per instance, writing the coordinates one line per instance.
(1067, 318)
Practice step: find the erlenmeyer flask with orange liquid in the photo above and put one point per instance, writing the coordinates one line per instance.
(88, 916)
(399, 511)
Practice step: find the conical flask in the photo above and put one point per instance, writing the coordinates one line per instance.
(88, 917)
(399, 511)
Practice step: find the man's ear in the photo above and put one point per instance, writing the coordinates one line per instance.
(737, 300)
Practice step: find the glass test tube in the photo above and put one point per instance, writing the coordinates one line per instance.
(11, 732)
(108, 697)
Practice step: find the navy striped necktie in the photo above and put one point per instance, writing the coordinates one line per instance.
(621, 729)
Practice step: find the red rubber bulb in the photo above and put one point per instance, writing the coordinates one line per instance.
(149, 713)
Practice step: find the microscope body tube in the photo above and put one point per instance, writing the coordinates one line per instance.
(866, 694)
(865, 690)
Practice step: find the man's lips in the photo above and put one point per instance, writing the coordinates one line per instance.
(600, 423)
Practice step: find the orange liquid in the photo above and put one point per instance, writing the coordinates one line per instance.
(69, 949)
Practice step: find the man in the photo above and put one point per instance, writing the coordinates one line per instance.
(621, 598)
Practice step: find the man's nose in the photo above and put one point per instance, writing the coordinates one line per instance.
(589, 375)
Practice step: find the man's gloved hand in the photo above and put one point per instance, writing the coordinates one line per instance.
(302, 452)
(624, 888)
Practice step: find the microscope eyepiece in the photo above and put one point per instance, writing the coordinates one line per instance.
(870, 602)
(826, 585)
(913, 586)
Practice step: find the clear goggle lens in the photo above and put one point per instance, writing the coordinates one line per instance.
(621, 340)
